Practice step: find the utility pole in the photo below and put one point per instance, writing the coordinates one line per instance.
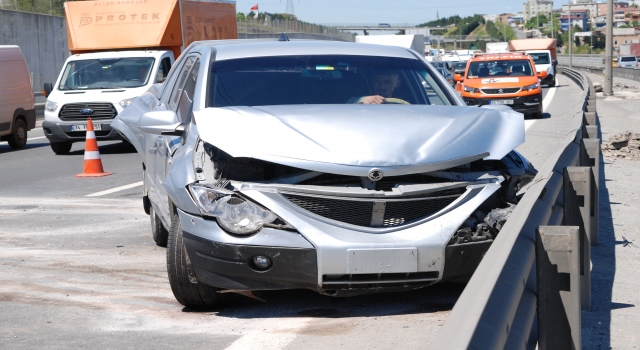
(570, 37)
(608, 50)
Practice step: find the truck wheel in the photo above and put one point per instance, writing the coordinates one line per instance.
(552, 83)
(61, 147)
(182, 279)
(160, 234)
(18, 139)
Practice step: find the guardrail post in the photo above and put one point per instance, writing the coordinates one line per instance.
(577, 212)
(590, 132)
(590, 118)
(558, 279)
(590, 156)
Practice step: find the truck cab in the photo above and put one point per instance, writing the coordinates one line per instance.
(98, 86)
(544, 62)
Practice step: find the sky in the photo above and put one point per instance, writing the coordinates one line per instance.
(381, 11)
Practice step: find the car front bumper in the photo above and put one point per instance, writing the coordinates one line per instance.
(60, 131)
(524, 104)
(321, 255)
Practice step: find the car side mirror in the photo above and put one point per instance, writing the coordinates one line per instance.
(161, 123)
(542, 74)
(48, 87)
(458, 77)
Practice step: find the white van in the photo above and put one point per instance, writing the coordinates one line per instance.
(544, 62)
(17, 112)
(98, 86)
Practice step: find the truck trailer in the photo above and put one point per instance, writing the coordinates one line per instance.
(120, 49)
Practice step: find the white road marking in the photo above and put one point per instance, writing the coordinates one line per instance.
(270, 335)
(545, 104)
(113, 190)
(33, 138)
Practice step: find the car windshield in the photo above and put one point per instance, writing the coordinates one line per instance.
(442, 71)
(460, 65)
(106, 73)
(540, 58)
(499, 68)
(627, 59)
(322, 79)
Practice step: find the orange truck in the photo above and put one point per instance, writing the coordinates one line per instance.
(120, 49)
(503, 79)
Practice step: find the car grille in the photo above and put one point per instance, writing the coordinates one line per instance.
(360, 212)
(378, 280)
(500, 91)
(101, 111)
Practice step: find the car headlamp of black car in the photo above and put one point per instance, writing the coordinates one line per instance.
(234, 214)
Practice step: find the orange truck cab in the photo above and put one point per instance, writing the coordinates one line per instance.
(505, 79)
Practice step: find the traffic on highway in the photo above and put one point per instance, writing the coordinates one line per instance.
(198, 187)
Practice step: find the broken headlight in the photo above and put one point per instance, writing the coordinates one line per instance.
(234, 214)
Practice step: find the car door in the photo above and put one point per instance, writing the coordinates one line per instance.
(180, 101)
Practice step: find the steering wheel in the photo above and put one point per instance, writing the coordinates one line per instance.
(396, 101)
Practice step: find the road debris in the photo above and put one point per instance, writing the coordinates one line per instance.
(625, 145)
(597, 86)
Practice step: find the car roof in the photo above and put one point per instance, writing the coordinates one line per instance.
(243, 48)
(500, 56)
(115, 54)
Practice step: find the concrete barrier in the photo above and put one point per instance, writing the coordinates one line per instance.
(43, 41)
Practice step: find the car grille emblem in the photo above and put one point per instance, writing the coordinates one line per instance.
(500, 91)
(86, 111)
(375, 174)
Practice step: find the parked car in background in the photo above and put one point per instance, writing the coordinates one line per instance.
(17, 111)
(628, 62)
(304, 185)
(447, 75)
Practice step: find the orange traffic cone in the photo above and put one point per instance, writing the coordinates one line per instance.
(92, 161)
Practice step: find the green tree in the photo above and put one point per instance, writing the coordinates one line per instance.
(577, 41)
(240, 16)
(598, 40)
(533, 21)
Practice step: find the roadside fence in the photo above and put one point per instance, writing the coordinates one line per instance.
(277, 26)
(530, 288)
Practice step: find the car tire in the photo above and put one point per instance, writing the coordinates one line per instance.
(182, 279)
(552, 83)
(160, 234)
(536, 115)
(18, 139)
(61, 148)
(146, 204)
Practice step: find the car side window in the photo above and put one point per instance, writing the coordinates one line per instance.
(163, 70)
(172, 78)
(182, 77)
(185, 103)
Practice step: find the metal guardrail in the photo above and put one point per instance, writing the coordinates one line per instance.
(529, 287)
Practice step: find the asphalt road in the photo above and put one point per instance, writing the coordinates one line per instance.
(78, 271)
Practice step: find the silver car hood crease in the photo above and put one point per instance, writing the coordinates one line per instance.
(352, 139)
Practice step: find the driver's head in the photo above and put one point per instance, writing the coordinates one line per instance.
(384, 82)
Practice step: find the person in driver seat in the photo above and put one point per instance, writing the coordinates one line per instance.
(383, 84)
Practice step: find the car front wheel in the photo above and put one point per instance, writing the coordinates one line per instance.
(182, 279)
(61, 147)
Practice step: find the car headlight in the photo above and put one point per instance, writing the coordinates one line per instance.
(470, 89)
(50, 106)
(124, 103)
(236, 215)
(531, 87)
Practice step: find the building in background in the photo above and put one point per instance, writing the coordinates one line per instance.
(578, 18)
(532, 8)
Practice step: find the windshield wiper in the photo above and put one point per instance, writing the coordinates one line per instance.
(64, 87)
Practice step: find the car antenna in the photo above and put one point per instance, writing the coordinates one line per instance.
(283, 37)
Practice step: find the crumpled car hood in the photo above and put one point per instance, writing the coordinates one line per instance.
(352, 139)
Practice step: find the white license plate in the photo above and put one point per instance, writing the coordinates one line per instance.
(392, 260)
(501, 102)
(84, 127)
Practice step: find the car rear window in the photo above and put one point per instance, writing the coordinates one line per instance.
(627, 59)
(320, 79)
(500, 68)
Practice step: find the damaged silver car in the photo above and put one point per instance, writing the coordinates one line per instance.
(265, 168)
